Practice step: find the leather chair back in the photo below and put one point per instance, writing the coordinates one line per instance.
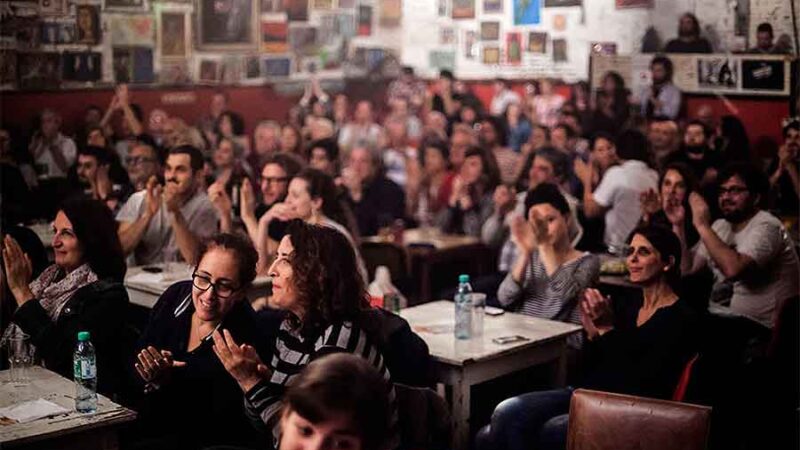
(607, 421)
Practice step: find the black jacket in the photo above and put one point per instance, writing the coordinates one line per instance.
(98, 308)
(202, 404)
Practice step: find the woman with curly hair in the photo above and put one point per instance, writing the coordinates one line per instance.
(316, 282)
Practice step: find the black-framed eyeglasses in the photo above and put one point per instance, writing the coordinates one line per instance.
(732, 190)
(136, 160)
(221, 289)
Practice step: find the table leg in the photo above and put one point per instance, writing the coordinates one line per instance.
(461, 412)
(560, 369)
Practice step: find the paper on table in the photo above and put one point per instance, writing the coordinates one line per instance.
(146, 278)
(32, 410)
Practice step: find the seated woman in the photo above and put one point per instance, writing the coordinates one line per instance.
(429, 181)
(470, 202)
(549, 274)
(641, 351)
(82, 291)
(315, 281)
(313, 198)
(670, 206)
(339, 400)
(176, 367)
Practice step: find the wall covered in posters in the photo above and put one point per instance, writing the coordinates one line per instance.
(557, 37)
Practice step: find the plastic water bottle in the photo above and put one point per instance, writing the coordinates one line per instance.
(85, 375)
(463, 301)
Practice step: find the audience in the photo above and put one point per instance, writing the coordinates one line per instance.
(323, 155)
(165, 223)
(784, 177)
(518, 126)
(470, 202)
(53, 153)
(94, 173)
(81, 291)
(663, 98)
(765, 42)
(143, 162)
(612, 111)
(545, 106)
(697, 153)
(429, 186)
(408, 88)
(492, 136)
(669, 206)
(752, 257)
(502, 98)
(362, 130)
(639, 348)
(663, 136)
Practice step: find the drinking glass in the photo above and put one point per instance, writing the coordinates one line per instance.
(478, 311)
(19, 351)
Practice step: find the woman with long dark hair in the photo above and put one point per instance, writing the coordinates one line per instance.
(81, 291)
(612, 108)
(470, 202)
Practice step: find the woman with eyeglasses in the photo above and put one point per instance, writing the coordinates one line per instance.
(188, 400)
(316, 282)
(639, 347)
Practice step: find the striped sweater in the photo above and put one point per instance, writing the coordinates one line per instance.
(292, 352)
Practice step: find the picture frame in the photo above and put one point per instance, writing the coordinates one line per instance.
(276, 67)
(38, 70)
(514, 48)
(87, 21)
(218, 28)
(125, 5)
(490, 31)
(81, 66)
(463, 9)
(491, 54)
(537, 42)
(173, 32)
(562, 3)
(274, 34)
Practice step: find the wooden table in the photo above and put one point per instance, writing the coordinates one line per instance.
(428, 247)
(145, 288)
(462, 364)
(64, 432)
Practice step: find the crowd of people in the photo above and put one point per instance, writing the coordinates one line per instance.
(546, 181)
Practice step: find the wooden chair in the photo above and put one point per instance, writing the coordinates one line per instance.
(607, 421)
(390, 255)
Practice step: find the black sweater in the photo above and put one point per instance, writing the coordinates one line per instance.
(646, 360)
(98, 308)
(201, 405)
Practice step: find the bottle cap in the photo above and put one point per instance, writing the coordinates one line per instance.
(83, 336)
(463, 278)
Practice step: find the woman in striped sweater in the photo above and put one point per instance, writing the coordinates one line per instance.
(549, 274)
(316, 281)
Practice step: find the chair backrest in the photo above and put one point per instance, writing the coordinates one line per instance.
(607, 421)
(386, 254)
(683, 383)
(424, 418)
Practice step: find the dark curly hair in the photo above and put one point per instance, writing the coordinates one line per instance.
(326, 276)
(242, 249)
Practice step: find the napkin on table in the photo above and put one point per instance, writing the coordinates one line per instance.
(32, 410)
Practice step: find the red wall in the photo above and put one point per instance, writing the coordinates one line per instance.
(760, 116)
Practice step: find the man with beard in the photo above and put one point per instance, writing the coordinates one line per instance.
(663, 98)
(93, 170)
(664, 138)
(688, 40)
(749, 251)
(166, 223)
(785, 177)
(697, 154)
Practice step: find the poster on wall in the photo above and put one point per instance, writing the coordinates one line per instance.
(463, 9)
(174, 72)
(125, 5)
(132, 30)
(230, 69)
(81, 66)
(561, 3)
(38, 70)
(625, 4)
(296, 10)
(447, 36)
(442, 59)
(133, 65)
(52, 7)
(227, 24)
(492, 6)
(513, 48)
(391, 13)
(761, 75)
(322, 4)
(717, 72)
(87, 20)
(527, 12)
(470, 44)
(559, 50)
(603, 48)
(251, 68)
(347, 4)
(303, 40)
(491, 55)
(490, 31)
(537, 42)
(364, 20)
(442, 8)
(274, 35)
(174, 38)
(208, 71)
(274, 67)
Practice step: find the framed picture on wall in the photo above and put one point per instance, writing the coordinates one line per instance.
(38, 70)
(527, 12)
(133, 29)
(52, 7)
(560, 50)
(125, 5)
(624, 4)
(272, 6)
(276, 67)
(491, 55)
(82, 66)
(514, 48)
(174, 72)
(492, 6)
(463, 9)
(227, 24)
(391, 13)
(208, 71)
(274, 35)
(537, 42)
(490, 31)
(296, 10)
(174, 33)
(364, 20)
(87, 19)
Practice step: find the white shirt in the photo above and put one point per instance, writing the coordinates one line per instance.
(501, 100)
(758, 294)
(49, 167)
(619, 191)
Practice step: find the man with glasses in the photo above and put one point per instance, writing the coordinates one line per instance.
(749, 251)
(142, 162)
(161, 224)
